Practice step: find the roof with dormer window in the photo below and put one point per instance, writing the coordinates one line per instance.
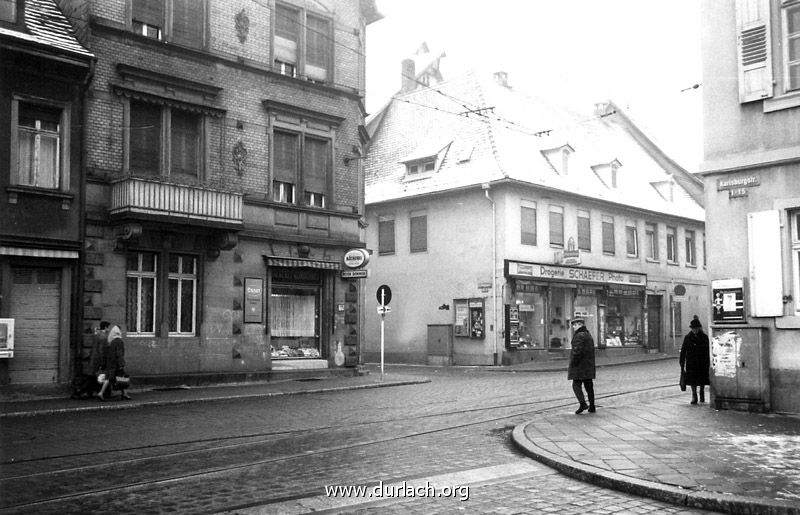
(44, 27)
(507, 133)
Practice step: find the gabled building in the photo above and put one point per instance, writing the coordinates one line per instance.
(751, 168)
(44, 73)
(220, 194)
(496, 216)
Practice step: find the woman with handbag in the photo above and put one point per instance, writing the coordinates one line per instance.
(114, 362)
(695, 360)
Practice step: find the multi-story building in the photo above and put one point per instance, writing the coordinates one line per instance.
(751, 168)
(220, 194)
(44, 71)
(496, 216)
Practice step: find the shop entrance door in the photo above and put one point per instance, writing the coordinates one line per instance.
(560, 313)
(654, 322)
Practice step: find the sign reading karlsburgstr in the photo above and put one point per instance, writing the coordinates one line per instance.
(566, 273)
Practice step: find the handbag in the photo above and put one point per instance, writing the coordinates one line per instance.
(122, 381)
(683, 381)
(101, 377)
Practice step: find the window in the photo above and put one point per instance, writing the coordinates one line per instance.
(300, 162)
(631, 239)
(39, 143)
(303, 44)
(557, 226)
(176, 21)
(141, 304)
(182, 294)
(144, 276)
(385, 235)
(151, 153)
(8, 11)
(528, 223)
(691, 256)
(651, 238)
(584, 231)
(791, 50)
(608, 235)
(420, 167)
(419, 233)
(675, 319)
(672, 245)
(705, 256)
(794, 220)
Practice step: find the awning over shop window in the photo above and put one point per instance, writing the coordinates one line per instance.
(40, 253)
(302, 263)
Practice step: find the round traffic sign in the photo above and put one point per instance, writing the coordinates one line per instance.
(384, 294)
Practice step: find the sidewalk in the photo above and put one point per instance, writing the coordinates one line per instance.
(48, 403)
(672, 451)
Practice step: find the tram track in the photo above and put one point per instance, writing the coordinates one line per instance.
(148, 463)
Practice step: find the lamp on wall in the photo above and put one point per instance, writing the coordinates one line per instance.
(347, 159)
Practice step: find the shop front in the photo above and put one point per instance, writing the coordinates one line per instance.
(541, 300)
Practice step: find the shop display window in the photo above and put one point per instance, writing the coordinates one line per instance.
(623, 325)
(526, 320)
(294, 315)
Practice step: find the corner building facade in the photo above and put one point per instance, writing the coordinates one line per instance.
(219, 204)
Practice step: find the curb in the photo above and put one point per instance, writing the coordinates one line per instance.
(715, 501)
(171, 402)
(563, 367)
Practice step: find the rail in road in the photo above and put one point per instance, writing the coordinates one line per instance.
(48, 484)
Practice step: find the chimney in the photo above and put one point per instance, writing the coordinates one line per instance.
(408, 78)
(501, 78)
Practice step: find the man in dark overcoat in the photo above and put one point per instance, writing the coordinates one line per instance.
(695, 359)
(581, 365)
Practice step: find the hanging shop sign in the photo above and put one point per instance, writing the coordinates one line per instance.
(356, 258)
(573, 274)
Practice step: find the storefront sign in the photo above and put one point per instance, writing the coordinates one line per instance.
(356, 258)
(354, 274)
(253, 299)
(573, 274)
(727, 301)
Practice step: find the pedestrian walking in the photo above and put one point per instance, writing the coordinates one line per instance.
(581, 365)
(113, 362)
(695, 360)
(99, 342)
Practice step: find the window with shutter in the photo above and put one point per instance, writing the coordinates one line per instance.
(187, 22)
(185, 143)
(755, 56)
(528, 225)
(386, 236)
(584, 231)
(316, 161)
(608, 235)
(307, 53)
(145, 138)
(556, 226)
(631, 239)
(419, 233)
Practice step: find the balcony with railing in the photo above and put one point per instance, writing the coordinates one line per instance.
(140, 198)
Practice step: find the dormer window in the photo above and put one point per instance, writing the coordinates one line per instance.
(609, 173)
(559, 158)
(425, 160)
(424, 167)
(666, 189)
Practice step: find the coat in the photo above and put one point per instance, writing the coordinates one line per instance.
(114, 358)
(99, 343)
(581, 357)
(695, 358)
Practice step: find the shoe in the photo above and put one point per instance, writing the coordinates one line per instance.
(126, 397)
(592, 409)
(101, 397)
(582, 408)
(694, 399)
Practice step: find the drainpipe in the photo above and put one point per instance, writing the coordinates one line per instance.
(486, 188)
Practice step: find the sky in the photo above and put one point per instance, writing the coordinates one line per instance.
(642, 54)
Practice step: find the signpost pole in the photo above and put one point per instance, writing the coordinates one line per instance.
(383, 318)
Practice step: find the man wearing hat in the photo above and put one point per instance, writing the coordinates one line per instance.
(695, 360)
(581, 365)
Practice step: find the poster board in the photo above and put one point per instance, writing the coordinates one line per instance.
(253, 300)
(470, 319)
